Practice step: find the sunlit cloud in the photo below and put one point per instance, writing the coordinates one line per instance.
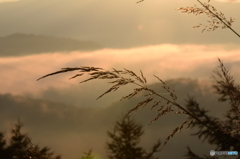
(19, 74)
(2, 1)
(229, 1)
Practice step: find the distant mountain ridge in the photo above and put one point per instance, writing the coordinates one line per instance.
(23, 44)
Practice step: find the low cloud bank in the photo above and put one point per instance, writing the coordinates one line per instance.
(19, 74)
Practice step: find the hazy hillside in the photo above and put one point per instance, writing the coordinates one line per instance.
(24, 44)
(70, 130)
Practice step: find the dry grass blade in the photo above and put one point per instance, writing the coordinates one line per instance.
(140, 1)
(180, 128)
(217, 19)
(131, 73)
(119, 82)
(145, 80)
(170, 136)
(136, 91)
(101, 75)
(104, 75)
(63, 70)
(177, 129)
(161, 108)
(180, 112)
(113, 88)
(191, 10)
(77, 75)
(156, 103)
(161, 112)
(172, 93)
(117, 71)
(123, 81)
(159, 79)
(57, 72)
(89, 79)
(189, 124)
(141, 104)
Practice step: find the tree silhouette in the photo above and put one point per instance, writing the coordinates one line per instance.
(3, 150)
(88, 155)
(228, 129)
(20, 146)
(125, 138)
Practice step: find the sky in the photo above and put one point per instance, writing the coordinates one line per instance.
(150, 36)
(115, 24)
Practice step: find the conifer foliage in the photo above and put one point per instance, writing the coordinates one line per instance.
(227, 129)
(19, 146)
(125, 138)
